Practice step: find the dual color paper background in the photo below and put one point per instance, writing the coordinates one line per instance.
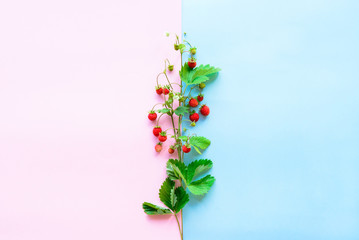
(76, 150)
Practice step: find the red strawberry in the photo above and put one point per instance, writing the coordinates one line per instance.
(171, 150)
(158, 147)
(166, 90)
(152, 115)
(192, 63)
(200, 97)
(193, 102)
(156, 130)
(159, 90)
(162, 136)
(186, 149)
(205, 110)
(194, 117)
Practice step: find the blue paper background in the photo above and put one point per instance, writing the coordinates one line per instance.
(285, 119)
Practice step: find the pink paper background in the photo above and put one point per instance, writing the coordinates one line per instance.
(76, 150)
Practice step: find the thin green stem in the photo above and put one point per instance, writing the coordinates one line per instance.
(179, 226)
(155, 106)
(158, 119)
(187, 42)
(158, 77)
(182, 223)
(168, 79)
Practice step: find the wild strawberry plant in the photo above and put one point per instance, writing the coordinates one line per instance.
(183, 105)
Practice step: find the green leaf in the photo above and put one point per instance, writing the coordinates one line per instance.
(183, 138)
(202, 73)
(202, 185)
(176, 170)
(181, 110)
(197, 150)
(186, 73)
(198, 167)
(165, 192)
(200, 79)
(152, 209)
(200, 142)
(173, 197)
(164, 110)
(182, 199)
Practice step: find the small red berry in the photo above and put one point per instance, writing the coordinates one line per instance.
(156, 131)
(193, 102)
(194, 117)
(159, 90)
(152, 115)
(192, 63)
(166, 91)
(171, 150)
(186, 149)
(204, 110)
(158, 147)
(200, 97)
(162, 136)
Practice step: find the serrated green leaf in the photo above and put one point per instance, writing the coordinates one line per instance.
(203, 71)
(152, 209)
(200, 142)
(164, 110)
(198, 167)
(173, 198)
(197, 75)
(182, 199)
(186, 73)
(181, 110)
(176, 170)
(165, 192)
(201, 186)
(200, 79)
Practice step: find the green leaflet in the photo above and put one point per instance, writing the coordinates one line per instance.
(197, 149)
(152, 209)
(183, 138)
(182, 199)
(199, 142)
(202, 185)
(165, 192)
(174, 198)
(197, 75)
(181, 110)
(202, 73)
(198, 167)
(164, 110)
(176, 170)
(186, 73)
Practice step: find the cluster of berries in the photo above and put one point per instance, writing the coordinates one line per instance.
(204, 109)
(161, 135)
(162, 90)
